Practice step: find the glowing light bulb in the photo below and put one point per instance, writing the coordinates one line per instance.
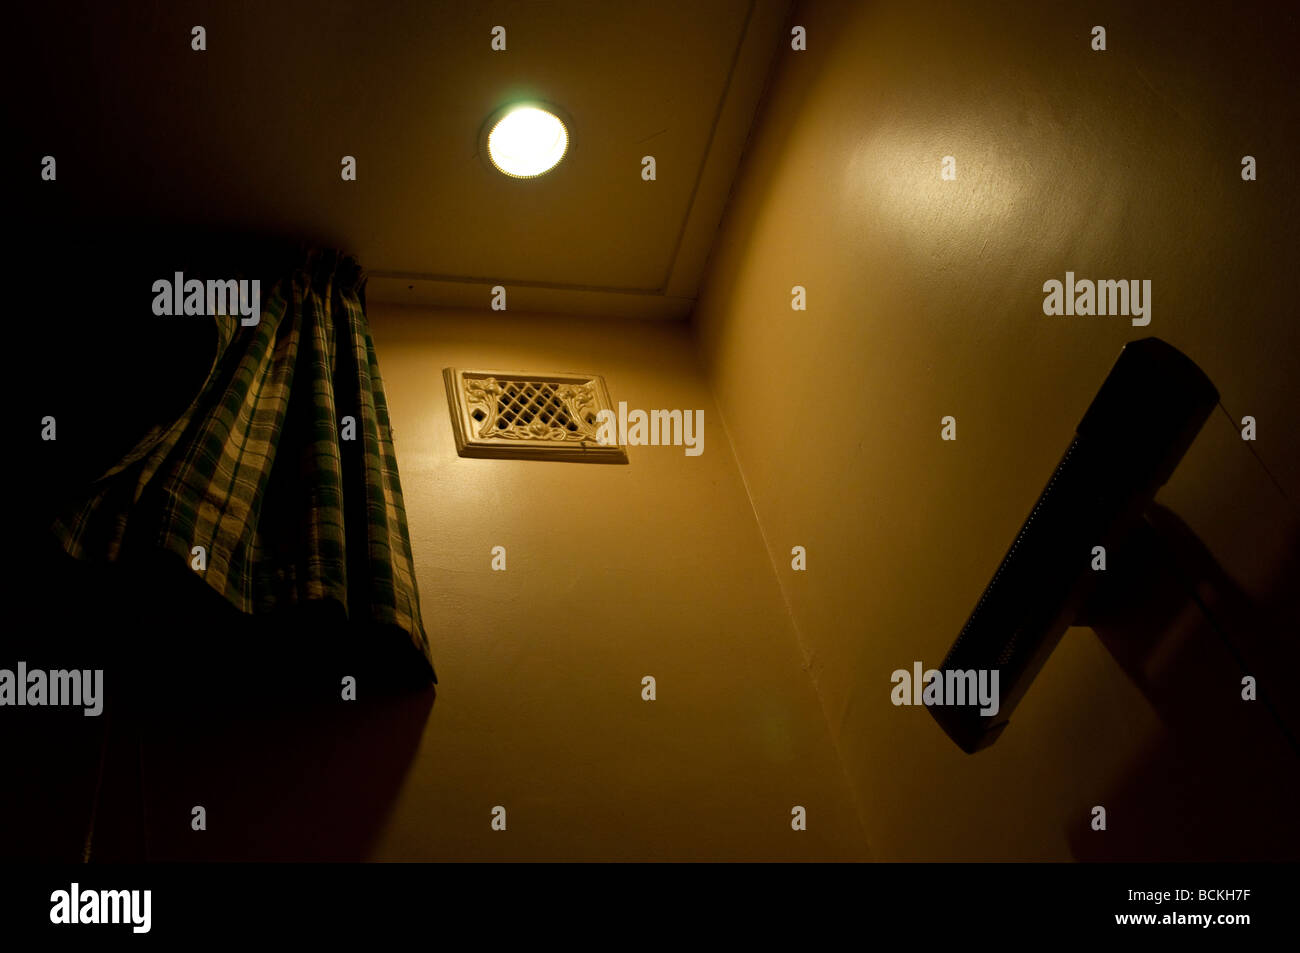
(527, 141)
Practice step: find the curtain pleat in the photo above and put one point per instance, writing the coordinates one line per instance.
(282, 468)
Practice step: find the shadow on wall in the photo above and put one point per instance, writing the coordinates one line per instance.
(206, 707)
(1226, 768)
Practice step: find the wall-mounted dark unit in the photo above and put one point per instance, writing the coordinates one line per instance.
(1146, 414)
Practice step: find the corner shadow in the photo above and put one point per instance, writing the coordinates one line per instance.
(1222, 779)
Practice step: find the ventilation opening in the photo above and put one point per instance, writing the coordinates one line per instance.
(522, 403)
(530, 416)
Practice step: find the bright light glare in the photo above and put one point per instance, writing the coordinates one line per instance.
(527, 141)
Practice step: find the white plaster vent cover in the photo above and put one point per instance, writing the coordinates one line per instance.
(544, 416)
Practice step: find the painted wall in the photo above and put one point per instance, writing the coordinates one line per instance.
(924, 299)
(613, 573)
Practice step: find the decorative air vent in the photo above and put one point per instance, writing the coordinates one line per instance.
(529, 416)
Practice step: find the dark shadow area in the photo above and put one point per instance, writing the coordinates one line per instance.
(206, 707)
(1223, 780)
(242, 715)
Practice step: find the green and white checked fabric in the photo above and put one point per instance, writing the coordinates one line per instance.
(257, 472)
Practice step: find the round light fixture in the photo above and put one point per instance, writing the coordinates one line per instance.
(527, 141)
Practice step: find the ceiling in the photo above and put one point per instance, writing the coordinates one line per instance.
(250, 134)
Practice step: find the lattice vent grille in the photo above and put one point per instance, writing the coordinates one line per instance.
(499, 414)
(533, 410)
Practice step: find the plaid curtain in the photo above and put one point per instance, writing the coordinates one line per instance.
(290, 505)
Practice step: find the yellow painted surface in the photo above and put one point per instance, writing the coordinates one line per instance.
(612, 573)
(924, 299)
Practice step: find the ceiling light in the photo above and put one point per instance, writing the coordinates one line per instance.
(527, 141)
